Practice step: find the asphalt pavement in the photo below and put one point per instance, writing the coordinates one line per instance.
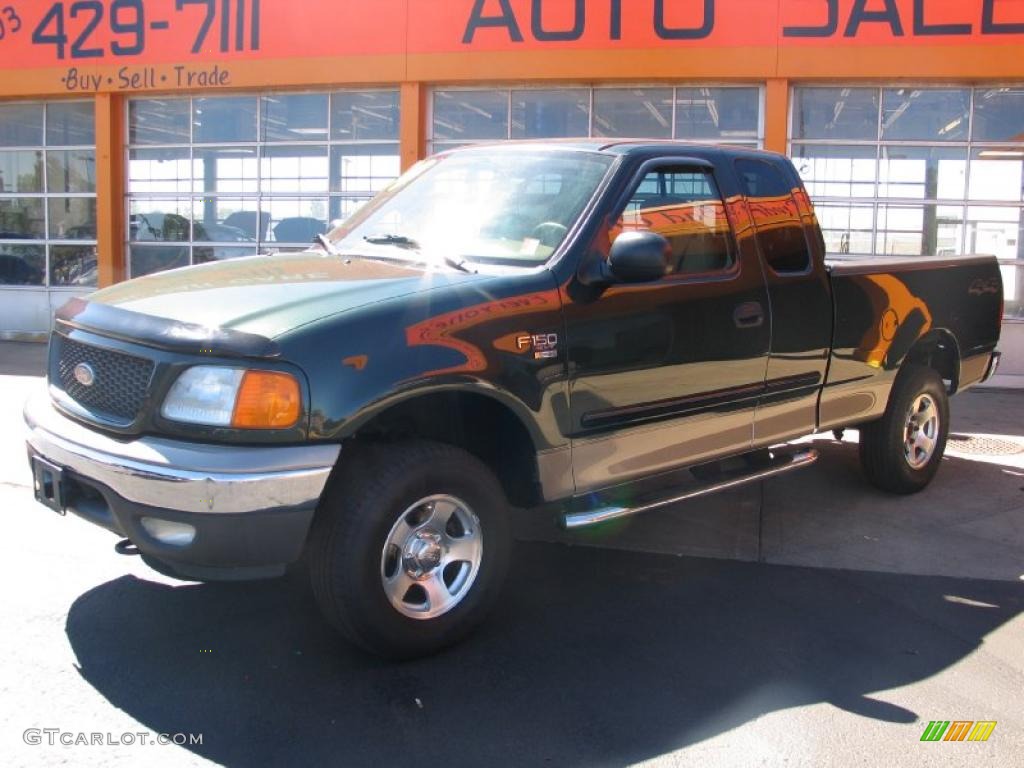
(806, 621)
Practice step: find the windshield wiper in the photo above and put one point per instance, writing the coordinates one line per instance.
(402, 241)
(459, 264)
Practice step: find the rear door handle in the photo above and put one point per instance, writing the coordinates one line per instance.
(749, 315)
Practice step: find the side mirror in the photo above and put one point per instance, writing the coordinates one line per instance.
(640, 257)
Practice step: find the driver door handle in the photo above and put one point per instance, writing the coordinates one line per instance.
(749, 315)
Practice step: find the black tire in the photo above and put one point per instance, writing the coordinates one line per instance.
(361, 508)
(884, 456)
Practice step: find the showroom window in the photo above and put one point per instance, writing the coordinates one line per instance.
(916, 171)
(216, 177)
(731, 114)
(47, 194)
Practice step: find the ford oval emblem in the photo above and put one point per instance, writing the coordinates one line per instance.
(84, 374)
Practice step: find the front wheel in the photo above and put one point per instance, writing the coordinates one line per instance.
(902, 451)
(410, 547)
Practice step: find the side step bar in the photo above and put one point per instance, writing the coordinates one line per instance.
(778, 462)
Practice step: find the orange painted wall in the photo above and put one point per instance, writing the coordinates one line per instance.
(314, 43)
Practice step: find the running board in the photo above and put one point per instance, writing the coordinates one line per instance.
(777, 462)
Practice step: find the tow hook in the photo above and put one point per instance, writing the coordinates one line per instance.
(126, 547)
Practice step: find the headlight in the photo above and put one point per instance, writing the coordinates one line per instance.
(204, 395)
(222, 397)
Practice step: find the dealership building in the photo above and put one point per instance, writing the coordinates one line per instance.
(138, 136)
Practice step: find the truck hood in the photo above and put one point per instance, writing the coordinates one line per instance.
(270, 295)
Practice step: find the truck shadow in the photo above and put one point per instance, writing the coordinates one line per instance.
(966, 524)
(593, 657)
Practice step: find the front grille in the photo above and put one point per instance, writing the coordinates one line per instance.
(120, 382)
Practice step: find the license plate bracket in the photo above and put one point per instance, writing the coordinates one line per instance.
(48, 483)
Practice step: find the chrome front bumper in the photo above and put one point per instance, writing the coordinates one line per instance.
(181, 476)
(193, 511)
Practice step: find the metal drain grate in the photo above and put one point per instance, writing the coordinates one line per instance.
(984, 446)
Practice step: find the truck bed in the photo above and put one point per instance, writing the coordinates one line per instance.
(887, 306)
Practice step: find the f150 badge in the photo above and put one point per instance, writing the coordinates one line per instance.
(544, 345)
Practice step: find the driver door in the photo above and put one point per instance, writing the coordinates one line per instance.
(667, 373)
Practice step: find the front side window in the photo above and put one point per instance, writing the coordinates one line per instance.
(682, 205)
(504, 207)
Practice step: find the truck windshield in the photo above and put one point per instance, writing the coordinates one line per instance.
(486, 206)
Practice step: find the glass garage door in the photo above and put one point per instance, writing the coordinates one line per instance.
(47, 211)
(917, 171)
(732, 114)
(223, 176)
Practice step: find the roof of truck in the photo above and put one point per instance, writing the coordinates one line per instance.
(611, 146)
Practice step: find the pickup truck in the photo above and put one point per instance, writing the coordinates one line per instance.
(599, 328)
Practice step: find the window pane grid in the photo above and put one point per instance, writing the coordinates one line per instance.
(721, 114)
(272, 179)
(48, 208)
(949, 170)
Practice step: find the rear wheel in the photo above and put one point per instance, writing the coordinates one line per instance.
(902, 451)
(410, 547)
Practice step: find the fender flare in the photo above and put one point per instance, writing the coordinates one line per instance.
(935, 337)
(475, 387)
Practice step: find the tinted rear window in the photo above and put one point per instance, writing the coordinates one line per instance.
(780, 234)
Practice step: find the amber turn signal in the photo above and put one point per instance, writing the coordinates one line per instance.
(267, 400)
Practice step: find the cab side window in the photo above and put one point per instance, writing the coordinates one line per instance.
(780, 231)
(682, 205)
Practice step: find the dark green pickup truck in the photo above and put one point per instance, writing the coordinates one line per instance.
(526, 326)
